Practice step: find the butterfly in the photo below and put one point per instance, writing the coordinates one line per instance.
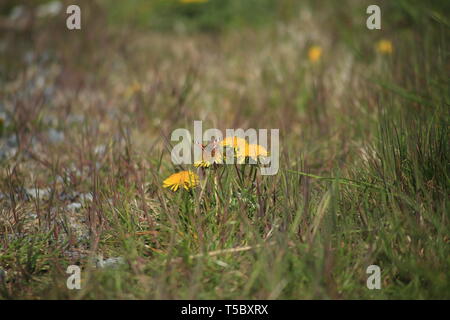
(210, 154)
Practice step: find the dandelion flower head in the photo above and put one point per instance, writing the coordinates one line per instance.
(384, 46)
(253, 151)
(211, 154)
(193, 1)
(182, 179)
(314, 54)
(234, 142)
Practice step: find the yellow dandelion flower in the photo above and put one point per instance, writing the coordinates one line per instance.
(206, 162)
(314, 54)
(384, 46)
(253, 151)
(239, 145)
(132, 89)
(185, 179)
(202, 164)
(210, 155)
(233, 142)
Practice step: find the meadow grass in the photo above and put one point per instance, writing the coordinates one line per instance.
(364, 163)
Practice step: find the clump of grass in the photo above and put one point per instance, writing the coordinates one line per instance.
(363, 167)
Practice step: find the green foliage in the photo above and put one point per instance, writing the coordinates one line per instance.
(211, 15)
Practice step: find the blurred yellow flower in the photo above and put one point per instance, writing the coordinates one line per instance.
(185, 179)
(255, 151)
(314, 54)
(384, 46)
(234, 142)
(193, 1)
(252, 151)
